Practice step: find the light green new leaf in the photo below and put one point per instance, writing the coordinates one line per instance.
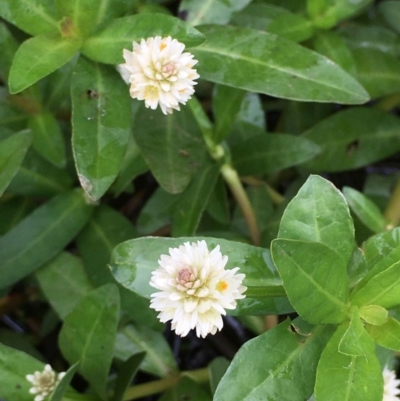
(42, 235)
(101, 125)
(269, 153)
(210, 11)
(32, 16)
(387, 335)
(353, 340)
(353, 138)
(265, 63)
(319, 213)
(348, 378)
(272, 366)
(62, 386)
(38, 57)
(106, 46)
(12, 152)
(391, 12)
(176, 149)
(315, 279)
(48, 139)
(374, 314)
(88, 335)
(365, 209)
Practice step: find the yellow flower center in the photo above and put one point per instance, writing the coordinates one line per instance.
(222, 286)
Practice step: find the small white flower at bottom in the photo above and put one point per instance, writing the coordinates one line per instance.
(44, 382)
(195, 288)
(159, 73)
(390, 385)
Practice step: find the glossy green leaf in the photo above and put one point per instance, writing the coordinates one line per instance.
(292, 26)
(252, 60)
(133, 261)
(32, 16)
(209, 11)
(106, 46)
(280, 361)
(186, 389)
(377, 72)
(37, 177)
(348, 378)
(8, 48)
(14, 366)
(48, 139)
(176, 149)
(315, 279)
(135, 338)
(191, 204)
(387, 335)
(12, 152)
(101, 125)
(126, 374)
(64, 282)
(319, 213)
(42, 235)
(354, 138)
(88, 335)
(391, 12)
(38, 57)
(353, 339)
(269, 153)
(217, 369)
(365, 209)
(374, 314)
(62, 386)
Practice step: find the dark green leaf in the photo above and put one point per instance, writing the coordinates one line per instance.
(186, 389)
(101, 125)
(106, 46)
(218, 206)
(391, 12)
(12, 211)
(387, 335)
(41, 235)
(59, 391)
(265, 63)
(217, 368)
(8, 48)
(88, 335)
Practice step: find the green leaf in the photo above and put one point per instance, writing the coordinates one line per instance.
(133, 261)
(62, 386)
(292, 26)
(315, 279)
(38, 57)
(13, 210)
(191, 204)
(176, 149)
(32, 16)
(42, 235)
(12, 152)
(126, 374)
(348, 378)
(64, 282)
(218, 206)
(134, 339)
(391, 13)
(8, 48)
(101, 125)
(106, 46)
(387, 335)
(253, 60)
(88, 335)
(365, 209)
(276, 352)
(186, 389)
(374, 314)
(319, 213)
(14, 366)
(48, 139)
(269, 153)
(217, 369)
(355, 337)
(37, 177)
(354, 138)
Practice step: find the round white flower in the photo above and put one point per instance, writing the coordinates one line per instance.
(195, 288)
(159, 73)
(44, 382)
(390, 385)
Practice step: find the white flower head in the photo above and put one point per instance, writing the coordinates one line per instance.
(390, 385)
(44, 382)
(159, 73)
(195, 288)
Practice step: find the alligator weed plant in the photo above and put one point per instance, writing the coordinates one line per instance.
(199, 200)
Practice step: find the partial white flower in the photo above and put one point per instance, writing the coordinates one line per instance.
(390, 385)
(195, 288)
(159, 73)
(44, 382)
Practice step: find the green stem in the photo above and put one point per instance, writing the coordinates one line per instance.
(275, 196)
(392, 212)
(158, 386)
(232, 179)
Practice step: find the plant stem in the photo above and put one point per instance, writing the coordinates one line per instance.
(392, 212)
(232, 179)
(276, 197)
(158, 386)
